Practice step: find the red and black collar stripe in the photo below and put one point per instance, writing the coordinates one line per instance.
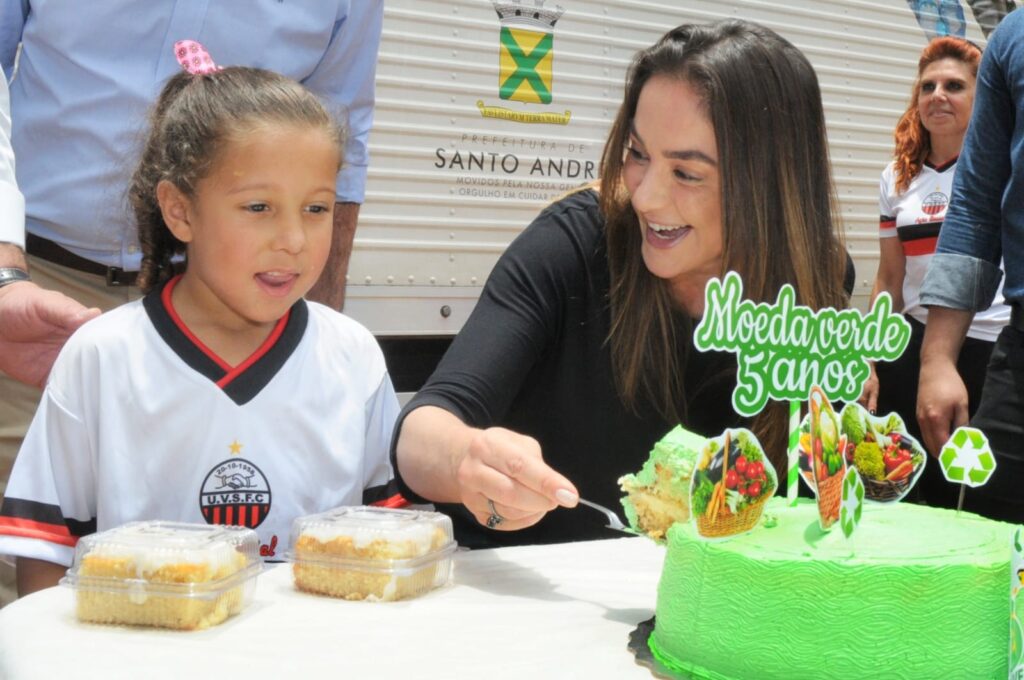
(942, 167)
(242, 382)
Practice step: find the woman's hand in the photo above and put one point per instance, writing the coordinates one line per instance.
(892, 269)
(869, 395)
(444, 460)
(508, 470)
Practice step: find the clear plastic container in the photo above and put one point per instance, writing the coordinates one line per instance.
(371, 553)
(164, 574)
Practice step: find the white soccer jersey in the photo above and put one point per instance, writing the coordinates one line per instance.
(915, 217)
(140, 421)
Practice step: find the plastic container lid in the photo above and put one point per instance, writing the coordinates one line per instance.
(168, 574)
(371, 553)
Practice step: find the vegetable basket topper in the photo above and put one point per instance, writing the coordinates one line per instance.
(732, 483)
(789, 352)
(887, 458)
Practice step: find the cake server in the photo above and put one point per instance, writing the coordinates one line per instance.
(613, 520)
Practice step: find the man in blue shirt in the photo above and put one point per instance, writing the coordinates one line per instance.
(34, 323)
(88, 73)
(86, 76)
(985, 221)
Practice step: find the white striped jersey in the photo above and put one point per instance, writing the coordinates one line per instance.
(141, 421)
(915, 217)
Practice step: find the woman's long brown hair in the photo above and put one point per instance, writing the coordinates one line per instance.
(779, 215)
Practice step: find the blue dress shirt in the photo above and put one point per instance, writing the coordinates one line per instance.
(985, 220)
(89, 71)
(12, 205)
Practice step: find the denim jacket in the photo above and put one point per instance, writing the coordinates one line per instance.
(985, 220)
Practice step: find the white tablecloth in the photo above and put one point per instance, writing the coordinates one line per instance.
(558, 611)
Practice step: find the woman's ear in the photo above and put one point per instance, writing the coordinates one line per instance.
(176, 209)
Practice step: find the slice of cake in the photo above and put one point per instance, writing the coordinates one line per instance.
(371, 553)
(164, 574)
(658, 495)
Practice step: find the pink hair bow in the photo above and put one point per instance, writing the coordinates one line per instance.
(194, 58)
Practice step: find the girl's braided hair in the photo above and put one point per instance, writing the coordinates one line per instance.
(193, 118)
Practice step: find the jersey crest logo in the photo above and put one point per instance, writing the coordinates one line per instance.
(934, 203)
(235, 492)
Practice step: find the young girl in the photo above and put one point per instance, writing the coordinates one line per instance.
(222, 396)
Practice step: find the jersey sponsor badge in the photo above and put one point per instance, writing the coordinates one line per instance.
(934, 203)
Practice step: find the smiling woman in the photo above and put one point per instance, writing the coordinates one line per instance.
(914, 195)
(674, 186)
(578, 356)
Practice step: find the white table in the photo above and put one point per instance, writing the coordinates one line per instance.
(558, 611)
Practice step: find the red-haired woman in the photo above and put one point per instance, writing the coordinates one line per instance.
(914, 195)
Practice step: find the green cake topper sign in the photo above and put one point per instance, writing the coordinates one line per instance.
(784, 349)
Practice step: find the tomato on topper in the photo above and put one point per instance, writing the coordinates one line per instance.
(888, 459)
(732, 483)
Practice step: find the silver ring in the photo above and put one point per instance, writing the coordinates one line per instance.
(494, 519)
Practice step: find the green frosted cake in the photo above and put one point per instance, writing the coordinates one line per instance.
(659, 494)
(917, 593)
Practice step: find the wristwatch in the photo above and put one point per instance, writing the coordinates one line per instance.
(12, 275)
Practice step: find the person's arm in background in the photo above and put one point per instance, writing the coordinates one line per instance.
(50, 499)
(964, 273)
(889, 279)
(34, 323)
(13, 14)
(943, 407)
(892, 269)
(345, 79)
(33, 575)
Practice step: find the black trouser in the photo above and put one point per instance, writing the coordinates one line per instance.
(1001, 417)
(897, 391)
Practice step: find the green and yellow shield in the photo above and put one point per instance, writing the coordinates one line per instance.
(525, 62)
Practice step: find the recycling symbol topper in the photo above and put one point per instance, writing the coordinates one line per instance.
(967, 458)
(852, 503)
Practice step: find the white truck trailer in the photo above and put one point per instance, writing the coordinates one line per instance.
(489, 109)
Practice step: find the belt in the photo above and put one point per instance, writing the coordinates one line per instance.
(1017, 317)
(51, 252)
